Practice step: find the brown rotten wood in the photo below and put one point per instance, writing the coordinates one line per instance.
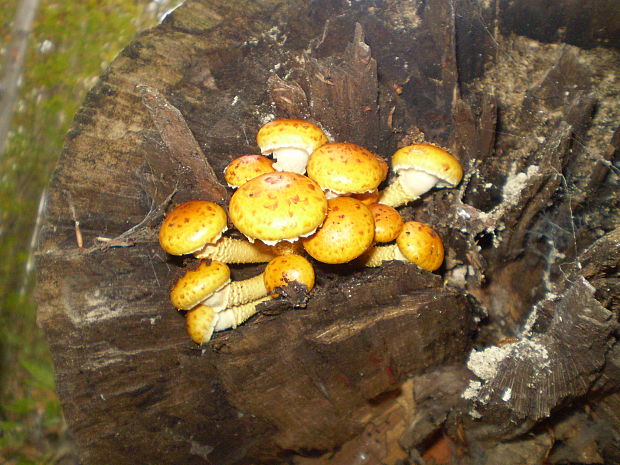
(320, 371)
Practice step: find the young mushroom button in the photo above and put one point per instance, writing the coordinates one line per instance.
(419, 168)
(290, 141)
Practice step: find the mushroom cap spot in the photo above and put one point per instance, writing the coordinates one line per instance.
(367, 198)
(246, 167)
(200, 323)
(296, 133)
(190, 226)
(388, 222)
(347, 168)
(348, 230)
(421, 245)
(430, 159)
(285, 269)
(277, 206)
(196, 285)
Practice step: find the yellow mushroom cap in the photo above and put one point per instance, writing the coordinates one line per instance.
(290, 133)
(429, 159)
(348, 230)
(277, 206)
(200, 323)
(192, 225)
(346, 168)
(388, 222)
(421, 245)
(285, 269)
(196, 285)
(246, 167)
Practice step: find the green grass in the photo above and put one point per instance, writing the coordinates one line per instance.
(85, 36)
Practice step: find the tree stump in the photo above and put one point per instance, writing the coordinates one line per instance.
(306, 377)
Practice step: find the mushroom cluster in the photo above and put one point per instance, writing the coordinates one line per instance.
(318, 199)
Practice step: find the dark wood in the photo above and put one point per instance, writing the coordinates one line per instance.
(531, 238)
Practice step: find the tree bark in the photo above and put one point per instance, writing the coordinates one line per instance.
(310, 373)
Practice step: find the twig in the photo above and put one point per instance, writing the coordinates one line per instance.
(76, 224)
(135, 233)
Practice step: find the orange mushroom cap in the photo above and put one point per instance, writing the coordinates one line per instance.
(345, 168)
(285, 269)
(200, 323)
(192, 225)
(246, 167)
(420, 244)
(278, 206)
(290, 133)
(388, 222)
(348, 230)
(197, 285)
(429, 159)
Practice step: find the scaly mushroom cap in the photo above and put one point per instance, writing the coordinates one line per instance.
(192, 225)
(431, 160)
(344, 168)
(290, 133)
(278, 206)
(197, 285)
(388, 222)
(242, 169)
(421, 245)
(348, 230)
(285, 269)
(200, 323)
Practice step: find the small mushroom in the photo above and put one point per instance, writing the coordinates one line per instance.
(290, 142)
(388, 222)
(210, 285)
(419, 168)
(345, 169)
(190, 226)
(347, 232)
(195, 286)
(286, 269)
(200, 323)
(417, 243)
(278, 206)
(246, 167)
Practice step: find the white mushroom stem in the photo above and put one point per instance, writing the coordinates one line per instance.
(375, 256)
(230, 250)
(234, 316)
(237, 293)
(290, 159)
(408, 186)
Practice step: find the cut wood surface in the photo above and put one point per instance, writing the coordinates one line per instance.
(537, 140)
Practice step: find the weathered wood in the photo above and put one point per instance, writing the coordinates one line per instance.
(537, 140)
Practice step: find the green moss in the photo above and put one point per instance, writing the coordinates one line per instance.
(85, 36)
